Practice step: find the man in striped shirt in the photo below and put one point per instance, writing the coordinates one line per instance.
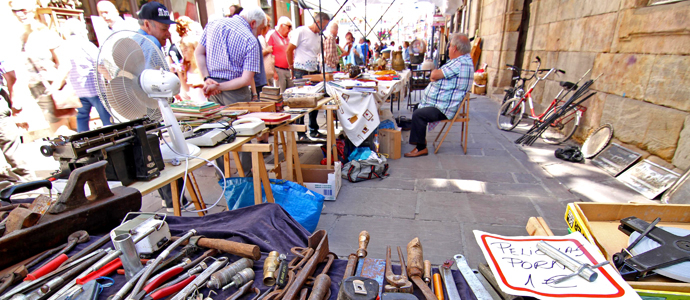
(444, 94)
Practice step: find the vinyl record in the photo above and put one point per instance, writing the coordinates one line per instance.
(679, 271)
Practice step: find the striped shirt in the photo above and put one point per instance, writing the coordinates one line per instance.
(447, 93)
(82, 58)
(231, 48)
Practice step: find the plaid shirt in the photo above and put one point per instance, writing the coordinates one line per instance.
(330, 51)
(231, 48)
(447, 93)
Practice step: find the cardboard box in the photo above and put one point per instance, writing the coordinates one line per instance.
(601, 221)
(323, 180)
(390, 143)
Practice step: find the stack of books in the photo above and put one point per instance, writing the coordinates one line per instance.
(272, 94)
(196, 111)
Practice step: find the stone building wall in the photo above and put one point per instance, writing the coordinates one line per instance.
(642, 52)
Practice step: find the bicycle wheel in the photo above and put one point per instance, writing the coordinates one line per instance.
(562, 129)
(510, 93)
(510, 114)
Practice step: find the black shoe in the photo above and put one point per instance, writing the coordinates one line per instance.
(301, 138)
(317, 135)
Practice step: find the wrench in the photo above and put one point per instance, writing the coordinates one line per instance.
(449, 281)
(475, 285)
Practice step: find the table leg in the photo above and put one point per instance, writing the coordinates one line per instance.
(195, 197)
(276, 155)
(298, 165)
(256, 176)
(329, 137)
(198, 191)
(264, 178)
(175, 191)
(226, 163)
(238, 164)
(289, 136)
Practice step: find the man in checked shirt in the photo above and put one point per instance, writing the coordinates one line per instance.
(228, 55)
(442, 97)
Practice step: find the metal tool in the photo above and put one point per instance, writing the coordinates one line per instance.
(397, 283)
(475, 285)
(585, 271)
(151, 266)
(362, 251)
(73, 239)
(129, 257)
(225, 275)
(358, 288)
(449, 281)
(281, 278)
(28, 285)
(241, 291)
(270, 267)
(201, 279)
(128, 285)
(415, 267)
(321, 288)
(240, 278)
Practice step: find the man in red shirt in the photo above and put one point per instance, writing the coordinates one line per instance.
(280, 41)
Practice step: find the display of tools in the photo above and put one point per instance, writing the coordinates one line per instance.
(585, 271)
(129, 257)
(151, 266)
(57, 281)
(240, 278)
(475, 285)
(128, 286)
(167, 291)
(270, 267)
(241, 290)
(448, 281)
(438, 286)
(235, 248)
(358, 288)
(201, 278)
(225, 275)
(362, 251)
(316, 252)
(397, 283)
(415, 267)
(73, 239)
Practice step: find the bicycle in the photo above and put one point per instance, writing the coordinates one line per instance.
(561, 129)
(518, 90)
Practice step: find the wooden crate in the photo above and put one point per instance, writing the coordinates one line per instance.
(253, 106)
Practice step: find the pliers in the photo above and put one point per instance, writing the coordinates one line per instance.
(147, 292)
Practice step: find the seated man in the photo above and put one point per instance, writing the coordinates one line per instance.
(443, 96)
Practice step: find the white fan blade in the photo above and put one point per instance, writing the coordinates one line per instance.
(128, 56)
(123, 99)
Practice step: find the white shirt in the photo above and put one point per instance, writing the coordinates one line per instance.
(308, 48)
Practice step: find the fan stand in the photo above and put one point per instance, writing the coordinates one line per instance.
(177, 139)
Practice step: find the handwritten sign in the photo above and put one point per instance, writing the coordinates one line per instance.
(522, 269)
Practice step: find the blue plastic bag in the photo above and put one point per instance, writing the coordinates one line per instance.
(360, 153)
(302, 204)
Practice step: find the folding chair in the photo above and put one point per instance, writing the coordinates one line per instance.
(463, 116)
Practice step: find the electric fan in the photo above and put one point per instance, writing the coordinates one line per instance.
(134, 81)
(417, 50)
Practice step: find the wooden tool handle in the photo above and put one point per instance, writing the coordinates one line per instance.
(415, 258)
(239, 249)
(426, 291)
(427, 271)
(363, 243)
(438, 286)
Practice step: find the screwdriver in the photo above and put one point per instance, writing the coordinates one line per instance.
(241, 278)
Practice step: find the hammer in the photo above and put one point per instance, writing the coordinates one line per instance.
(415, 267)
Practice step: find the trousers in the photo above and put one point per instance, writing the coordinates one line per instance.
(84, 112)
(420, 119)
(313, 124)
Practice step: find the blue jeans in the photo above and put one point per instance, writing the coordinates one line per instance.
(85, 110)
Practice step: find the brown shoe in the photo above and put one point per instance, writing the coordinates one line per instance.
(415, 153)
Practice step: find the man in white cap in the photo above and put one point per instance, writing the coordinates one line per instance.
(280, 41)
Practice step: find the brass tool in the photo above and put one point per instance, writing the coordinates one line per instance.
(396, 283)
(415, 267)
(362, 251)
(225, 275)
(270, 267)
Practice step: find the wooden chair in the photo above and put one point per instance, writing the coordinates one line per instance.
(463, 116)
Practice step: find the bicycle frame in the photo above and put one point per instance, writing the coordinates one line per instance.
(528, 98)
